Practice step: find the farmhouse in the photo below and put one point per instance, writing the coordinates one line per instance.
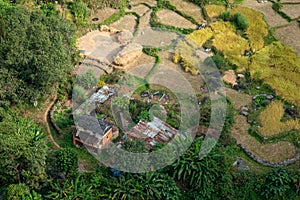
(93, 133)
(153, 132)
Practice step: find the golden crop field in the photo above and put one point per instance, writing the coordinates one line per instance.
(270, 120)
(279, 67)
(257, 28)
(214, 10)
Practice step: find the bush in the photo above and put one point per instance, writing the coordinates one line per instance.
(88, 79)
(240, 21)
(277, 6)
(225, 16)
(66, 161)
(79, 93)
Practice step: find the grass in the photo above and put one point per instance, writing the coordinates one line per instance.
(270, 119)
(278, 66)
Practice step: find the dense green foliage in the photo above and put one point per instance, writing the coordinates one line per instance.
(36, 53)
(22, 150)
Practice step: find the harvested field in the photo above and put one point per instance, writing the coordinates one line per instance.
(290, 1)
(275, 152)
(88, 41)
(189, 9)
(127, 22)
(292, 10)
(171, 78)
(272, 18)
(148, 2)
(139, 9)
(171, 18)
(145, 20)
(154, 38)
(290, 36)
(103, 14)
(214, 11)
(238, 99)
(195, 81)
(141, 66)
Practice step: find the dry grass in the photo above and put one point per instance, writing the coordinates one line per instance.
(279, 67)
(292, 10)
(199, 37)
(171, 18)
(189, 9)
(272, 18)
(214, 11)
(270, 120)
(257, 28)
(127, 22)
(275, 152)
(238, 99)
(290, 36)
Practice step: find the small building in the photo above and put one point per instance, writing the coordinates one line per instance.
(93, 133)
(153, 132)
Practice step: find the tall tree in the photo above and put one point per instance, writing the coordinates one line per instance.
(36, 52)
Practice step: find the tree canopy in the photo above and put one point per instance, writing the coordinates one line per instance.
(36, 53)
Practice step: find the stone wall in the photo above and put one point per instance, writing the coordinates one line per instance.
(268, 163)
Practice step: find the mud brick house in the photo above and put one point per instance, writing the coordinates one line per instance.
(93, 133)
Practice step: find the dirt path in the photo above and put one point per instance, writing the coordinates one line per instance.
(45, 120)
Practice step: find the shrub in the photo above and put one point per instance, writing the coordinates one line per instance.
(277, 6)
(66, 161)
(225, 16)
(88, 79)
(240, 21)
(79, 93)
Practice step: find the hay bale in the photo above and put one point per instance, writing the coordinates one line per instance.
(230, 77)
(128, 54)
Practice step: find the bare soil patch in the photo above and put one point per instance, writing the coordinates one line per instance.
(195, 81)
(238, 99)
(290, 1)
(189, 9)
(292, 10)
(148, 2)
(139, 9)
(102, 15)
(127, 22)
(290, 36)
(145, 20)
(276, 152)
(154, 38)
(272, 18)
(88, 41)
(171, 18)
